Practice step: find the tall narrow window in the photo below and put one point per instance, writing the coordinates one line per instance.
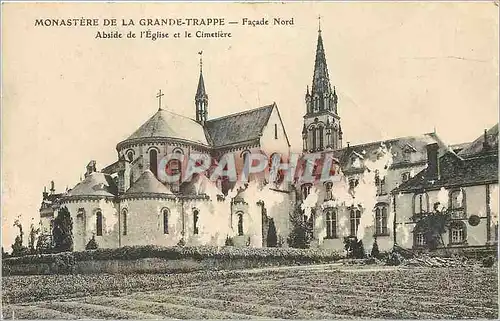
(314, 137)
(355, 217)
(165, 220)
(328, 191)
(306, 189)
(195, 222)
(331, 224)
(99, 223)
(124, 219)
(381, 220)
(246, 164)
(240, 224)
(153, 161)
(320, 133)
(275, 131)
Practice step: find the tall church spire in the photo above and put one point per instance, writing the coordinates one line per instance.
(201, 97)
(321, 129)
(321, 79)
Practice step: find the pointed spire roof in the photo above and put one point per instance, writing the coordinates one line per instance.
(200, 91)
(321, 79)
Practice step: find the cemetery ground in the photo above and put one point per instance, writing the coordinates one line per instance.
(330, 291)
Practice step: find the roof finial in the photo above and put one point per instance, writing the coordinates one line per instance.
(201, 60)
(319, 23)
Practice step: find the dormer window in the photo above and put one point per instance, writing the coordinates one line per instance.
(405, 176)
(306, 190)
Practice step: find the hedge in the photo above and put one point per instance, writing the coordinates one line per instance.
(177, 252)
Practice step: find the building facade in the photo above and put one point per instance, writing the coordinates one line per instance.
(371, 194)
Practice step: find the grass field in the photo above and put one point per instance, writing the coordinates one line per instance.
(325, 292)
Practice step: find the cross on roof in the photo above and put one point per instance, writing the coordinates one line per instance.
(159, 95)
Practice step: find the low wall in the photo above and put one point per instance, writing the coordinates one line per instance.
(144, 260)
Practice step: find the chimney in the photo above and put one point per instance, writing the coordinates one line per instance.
(45, 194)
(52, 187)
(486, 144)
(432, 161)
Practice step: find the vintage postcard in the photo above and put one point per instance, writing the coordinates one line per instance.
(296, 160)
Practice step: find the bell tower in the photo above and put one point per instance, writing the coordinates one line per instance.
(201, 97)
(321, 130)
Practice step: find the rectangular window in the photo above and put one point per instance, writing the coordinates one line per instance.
(195, 222)
(331, 224)
(99, 224)
(328, 191)
(420, 239)
(355, 219)
(275, 131)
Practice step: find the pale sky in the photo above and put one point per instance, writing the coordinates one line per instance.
(399, 68)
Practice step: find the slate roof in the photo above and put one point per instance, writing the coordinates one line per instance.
(147, 183)
(240, 127)
(166, 124)
(96, 184)
(476, 146)
(414, 146)
(472, 166)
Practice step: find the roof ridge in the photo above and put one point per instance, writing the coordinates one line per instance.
(390, 140)
(241, 112)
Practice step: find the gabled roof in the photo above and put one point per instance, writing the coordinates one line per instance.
(476, 147)
(147, 183)
(240, 127)
(95, 184)
(474, 165)
(166, 124)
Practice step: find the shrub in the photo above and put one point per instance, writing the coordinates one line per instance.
(92, 244)
(63, 231)
(488, 262)
(394, 259)
(229, 241)
(354, 248)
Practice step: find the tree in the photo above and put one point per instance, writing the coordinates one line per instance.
(272, 238)
(301, 233)
(433, 225)
(18, 248)
(375, 251)
(33, 237)
(63, 231)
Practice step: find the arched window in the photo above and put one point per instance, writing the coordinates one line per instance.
(240, 223)
(98, 223)
(153, 161)
(246, 165)
(355, 217)
(124, 219)
(195, 222)
(457, 199)
(420, 203)
(381, 219)
(130, 155)
(331, 223)
(314, 138)
(321, 139)
(458, 232)
(165, 213)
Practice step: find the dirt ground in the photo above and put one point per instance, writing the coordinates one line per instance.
(309, 292)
